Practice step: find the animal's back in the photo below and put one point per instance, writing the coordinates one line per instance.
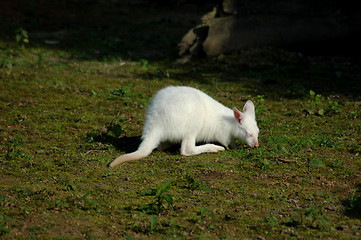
(176, 112)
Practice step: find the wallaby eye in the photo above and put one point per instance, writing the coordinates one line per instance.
(249, 134)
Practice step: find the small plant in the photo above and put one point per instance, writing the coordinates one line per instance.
(260, 107)
(93, 136)
(161, 198)
(162, 73)
(146, 224)
(271, 221)
(292, 221)
(9, 54)
(22, 36)
(153, 223)
(116, 129)
(118, 93)
(117, 126)
(354, 204)
(83, 202)
(4, 228)
(316, 163)
(12, 151)
(203, 213)
(264, 164)
(193, 184)
(315, 104)
(315, 217)
(202, 219)
(103, 134)
(61, 203)
(315, 98)
(319, 106)
(334, 107)
(260, 159)
(144, 63)
(6, 62)
(95, 94)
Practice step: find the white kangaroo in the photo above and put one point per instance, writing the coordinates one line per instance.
(187, 115)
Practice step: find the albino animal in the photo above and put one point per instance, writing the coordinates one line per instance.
(186, 115)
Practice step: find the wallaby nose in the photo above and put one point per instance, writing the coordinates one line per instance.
(256, 144)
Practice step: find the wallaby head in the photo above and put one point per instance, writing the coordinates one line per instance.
(247, 127)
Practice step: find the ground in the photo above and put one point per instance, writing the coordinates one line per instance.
(72, 100)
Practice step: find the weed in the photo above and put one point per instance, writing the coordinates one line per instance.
(315, 104)
(338, 164)
(93, 136)
(203, 213)
(9, 54)
(116, 129)
(193, 184)
(354, 203)
(316, 163)
(4, 226)
(118, 92)
(146, 223)
(292, 221)
(162, 73)
(271, 221)
(260, 159)
(95, 94)
(264, 164)
(316, 217)
(160, 198)
(315, 98)
(313, 217)
(334, 107)
(319, 106)
(6, 62)
(12, 145)
(75, 201)
(144, 64)
(260, 107)
(153, 223)
(22, 36)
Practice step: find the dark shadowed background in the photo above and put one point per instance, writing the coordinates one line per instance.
(158, 30)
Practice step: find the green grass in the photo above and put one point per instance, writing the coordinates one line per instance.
(64, 118)
(63, 122)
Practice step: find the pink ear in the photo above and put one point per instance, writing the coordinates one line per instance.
(238, 115)
(249, 108)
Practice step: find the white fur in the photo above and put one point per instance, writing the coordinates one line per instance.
(186, 115)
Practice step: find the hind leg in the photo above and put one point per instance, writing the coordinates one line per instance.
(189, 147)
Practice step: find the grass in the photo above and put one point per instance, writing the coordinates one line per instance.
(64, 118)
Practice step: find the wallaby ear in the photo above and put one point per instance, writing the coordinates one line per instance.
(249, 108)
(238, 115)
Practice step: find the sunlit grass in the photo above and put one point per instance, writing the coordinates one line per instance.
(63, 120)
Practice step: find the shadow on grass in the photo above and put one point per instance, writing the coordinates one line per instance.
(353, 204)
(100, 30)
(271, 72)
(130, 144)
(124, 144)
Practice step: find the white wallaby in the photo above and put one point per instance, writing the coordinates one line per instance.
(186, 115)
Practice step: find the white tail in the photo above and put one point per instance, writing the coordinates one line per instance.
(145, 148)
(129, 157)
